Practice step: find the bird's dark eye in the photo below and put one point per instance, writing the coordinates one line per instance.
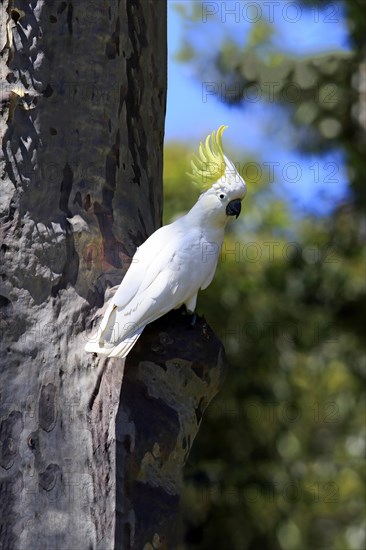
(222, 196)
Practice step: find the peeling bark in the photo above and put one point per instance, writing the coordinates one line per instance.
(83, 104)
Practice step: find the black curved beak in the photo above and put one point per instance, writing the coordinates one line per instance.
(234, 208)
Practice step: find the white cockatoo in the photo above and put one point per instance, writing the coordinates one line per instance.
(179, 259)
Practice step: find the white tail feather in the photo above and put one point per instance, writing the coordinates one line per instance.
(121, 349)
(124, 347)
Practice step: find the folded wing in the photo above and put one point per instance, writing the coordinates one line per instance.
(149, 289)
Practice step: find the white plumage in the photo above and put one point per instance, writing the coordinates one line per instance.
(175, 262)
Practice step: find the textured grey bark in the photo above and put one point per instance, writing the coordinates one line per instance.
(171, 375)
(83, 104)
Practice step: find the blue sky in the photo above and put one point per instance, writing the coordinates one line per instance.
(312, 183)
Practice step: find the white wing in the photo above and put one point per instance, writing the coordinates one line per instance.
(166, 272)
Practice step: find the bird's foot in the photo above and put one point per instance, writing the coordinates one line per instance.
(191, 314)
(193, 317)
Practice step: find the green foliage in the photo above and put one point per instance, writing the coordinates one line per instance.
(324, 93)
(279, 457)
(279, 463)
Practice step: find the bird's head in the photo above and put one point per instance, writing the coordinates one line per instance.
(217, 176)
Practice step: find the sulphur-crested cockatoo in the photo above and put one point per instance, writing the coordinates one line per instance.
(177, 260)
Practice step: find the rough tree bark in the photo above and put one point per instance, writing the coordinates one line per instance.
(84, 464)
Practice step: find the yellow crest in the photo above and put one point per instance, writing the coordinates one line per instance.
(210, 165)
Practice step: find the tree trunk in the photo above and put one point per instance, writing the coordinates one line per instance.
(83, 104)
